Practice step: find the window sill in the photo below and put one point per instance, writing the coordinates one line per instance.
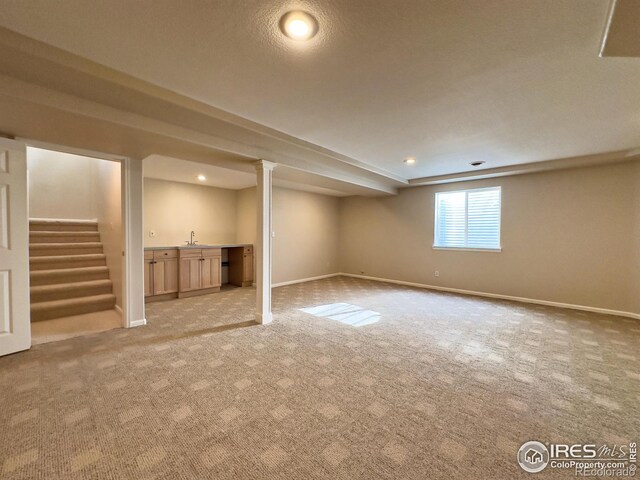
(463, 249)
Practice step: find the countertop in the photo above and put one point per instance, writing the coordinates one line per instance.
(189, 247)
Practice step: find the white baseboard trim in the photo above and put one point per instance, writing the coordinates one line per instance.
(585, 308)
(264, 318)
(303, 280)
(138, 323)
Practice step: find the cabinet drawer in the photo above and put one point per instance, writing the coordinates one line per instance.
(211, 252)
(148, 254)
(191, 253)
(159, 254)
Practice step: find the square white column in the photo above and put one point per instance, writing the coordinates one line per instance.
(133, 221)
(263, 242)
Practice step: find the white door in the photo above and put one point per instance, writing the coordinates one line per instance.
(15, 317)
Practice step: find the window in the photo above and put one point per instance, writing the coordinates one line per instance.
(468, 219)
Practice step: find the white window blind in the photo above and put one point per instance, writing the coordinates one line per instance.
(468, 219)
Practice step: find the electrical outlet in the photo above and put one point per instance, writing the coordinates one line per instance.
(152, 233)
(436, 273)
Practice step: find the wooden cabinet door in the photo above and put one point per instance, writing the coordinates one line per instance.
(148, 277)
(247, 267)
(190, 276)
(236, 266)
(165, 276)
(211, 272)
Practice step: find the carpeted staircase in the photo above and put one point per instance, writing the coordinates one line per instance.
(69, 274)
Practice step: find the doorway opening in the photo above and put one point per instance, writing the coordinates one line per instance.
(199, 229)
(76, 241)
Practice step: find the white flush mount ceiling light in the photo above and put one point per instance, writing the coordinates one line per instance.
(410, 160)
(298, 25)
(201, 177)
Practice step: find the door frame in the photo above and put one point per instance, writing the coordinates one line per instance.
(126, 214)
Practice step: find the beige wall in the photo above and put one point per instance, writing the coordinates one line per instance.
(174, 209)
(246, 221)
(61, 185)
(567, 237)
(109, 215)
(306, 226)
(307, 235)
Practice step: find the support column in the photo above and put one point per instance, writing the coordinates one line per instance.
(134, 243)
(263, 242)
(264, 170)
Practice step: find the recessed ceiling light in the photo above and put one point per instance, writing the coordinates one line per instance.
(298, 25)
(201, 177)
(410, 160)
(478, 163)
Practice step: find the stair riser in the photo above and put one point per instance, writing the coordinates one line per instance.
(53, 251)
(67, 264)
(68, 278)
(38, 316)
(47, 227)
(70, 238)
(70, 293)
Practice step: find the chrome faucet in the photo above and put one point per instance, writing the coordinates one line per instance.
(191, 242)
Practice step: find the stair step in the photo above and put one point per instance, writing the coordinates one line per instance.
(60, 291)
(68, 275)
(67, 261)
(71, 306)
(43, 224)
(47, 236)
(51, 249)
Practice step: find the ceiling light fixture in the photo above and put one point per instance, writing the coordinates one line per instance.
(201, 177)
(410, 160)
(298, 25)
(478, 163)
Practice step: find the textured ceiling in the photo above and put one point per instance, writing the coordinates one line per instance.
(449, 82)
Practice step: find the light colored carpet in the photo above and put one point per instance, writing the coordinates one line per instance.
(56, 329)
(442, 386)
